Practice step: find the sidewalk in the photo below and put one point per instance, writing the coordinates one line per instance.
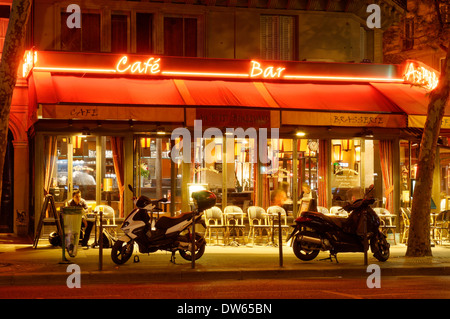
(21, 264)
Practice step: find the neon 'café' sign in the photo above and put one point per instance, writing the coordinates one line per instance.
(413, 72)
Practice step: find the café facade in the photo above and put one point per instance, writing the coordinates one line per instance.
(100, 122)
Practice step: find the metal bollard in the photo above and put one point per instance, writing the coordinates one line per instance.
(280, 241)
(365, 242)
(193, 243)
(100, 244)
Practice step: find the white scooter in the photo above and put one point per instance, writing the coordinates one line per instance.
(165, 233)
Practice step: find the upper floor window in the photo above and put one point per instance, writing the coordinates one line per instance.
(277, 37)
(144, 31)
(180, 36)
(4, 11)
(86, 38)
(4, 19)
(119, 33)
(444, 9)
(408, 40)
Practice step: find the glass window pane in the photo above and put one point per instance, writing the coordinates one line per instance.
(346, 167)
(60, 182)
(84, 166)
(154, 170)
(109, 184)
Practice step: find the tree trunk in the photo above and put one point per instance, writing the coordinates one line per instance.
(419, 232)
(13, 51)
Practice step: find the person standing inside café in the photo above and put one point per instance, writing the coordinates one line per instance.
(80, 202)
(311, 195)
(278, 197)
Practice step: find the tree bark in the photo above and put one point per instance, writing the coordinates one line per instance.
(419, 244)
(13, 51)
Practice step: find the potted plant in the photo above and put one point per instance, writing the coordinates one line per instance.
(145, 173)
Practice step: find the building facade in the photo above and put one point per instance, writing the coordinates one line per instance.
(98, 113)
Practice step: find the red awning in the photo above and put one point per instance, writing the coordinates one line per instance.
(225, 93)
(54, 89)
(146, 99)
(334, 97)
(411, 99)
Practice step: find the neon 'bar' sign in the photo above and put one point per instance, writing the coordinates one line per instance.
(418, 74)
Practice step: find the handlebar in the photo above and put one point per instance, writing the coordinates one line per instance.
(358, 203)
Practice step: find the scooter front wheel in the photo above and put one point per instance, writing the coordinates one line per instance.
(122, 251)
(200, 243)
(380, 247)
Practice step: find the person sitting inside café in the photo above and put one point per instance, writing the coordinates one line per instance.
(80, 202)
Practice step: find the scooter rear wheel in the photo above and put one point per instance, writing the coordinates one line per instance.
(301, 250)
(122, 251)
(200, 243)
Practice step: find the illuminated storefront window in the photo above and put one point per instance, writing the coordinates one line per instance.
(92, 164)
(357, 164)
(153, 170)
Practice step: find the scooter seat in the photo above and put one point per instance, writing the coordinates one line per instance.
(338, 221)
(166, 222)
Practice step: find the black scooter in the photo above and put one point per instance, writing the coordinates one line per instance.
(315, 231)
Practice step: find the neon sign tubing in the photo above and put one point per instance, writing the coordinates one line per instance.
(61, 69)
(342, 78)
(205, 74)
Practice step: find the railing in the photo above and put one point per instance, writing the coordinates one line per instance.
(401, 3)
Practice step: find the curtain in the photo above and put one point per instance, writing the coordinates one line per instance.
(386, 168)
(50, 156)
(49, 161)
(118, 159)
(323, 173)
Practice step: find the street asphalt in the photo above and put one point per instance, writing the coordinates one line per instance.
(21, 264)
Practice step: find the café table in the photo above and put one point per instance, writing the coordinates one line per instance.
(232, 224)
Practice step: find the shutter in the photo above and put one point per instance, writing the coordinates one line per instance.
(277, 37)
(90, 24)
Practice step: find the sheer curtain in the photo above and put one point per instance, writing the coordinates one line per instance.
(323, 173)
(386, 168)
(118, 160)
(50, 156)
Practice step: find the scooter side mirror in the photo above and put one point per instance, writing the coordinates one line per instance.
(370, 190)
